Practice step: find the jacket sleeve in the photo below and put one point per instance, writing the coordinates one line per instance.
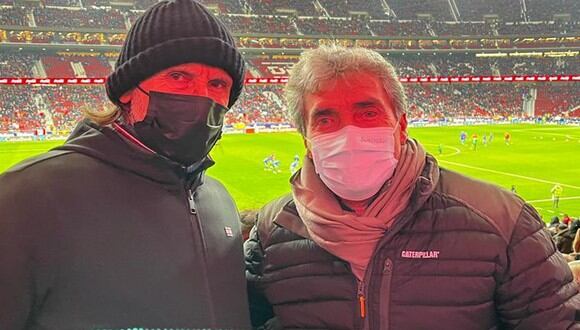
(260, 309)
(536, 289)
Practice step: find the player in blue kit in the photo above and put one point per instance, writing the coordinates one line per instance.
(295, 164)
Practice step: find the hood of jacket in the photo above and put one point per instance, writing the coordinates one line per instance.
(107, 145)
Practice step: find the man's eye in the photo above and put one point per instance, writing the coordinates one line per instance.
(324, 121)
(178, 76)
(370, 114)
(218, 83)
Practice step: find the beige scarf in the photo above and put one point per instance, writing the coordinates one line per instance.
(344, 234)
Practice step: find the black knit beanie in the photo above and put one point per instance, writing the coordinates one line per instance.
(170, 33)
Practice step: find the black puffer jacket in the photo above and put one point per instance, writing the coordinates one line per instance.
(98, 234)
(463, 255)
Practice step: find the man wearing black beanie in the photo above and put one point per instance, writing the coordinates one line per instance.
(120, 227)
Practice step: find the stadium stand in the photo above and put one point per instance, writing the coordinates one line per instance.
(260, 24)
(556, 99)
(477, 10)
(269, 7)
(547, 32)
(545, 10)
(539, 28)
(333, 26)
(58, 67)
(264, 104)
(81, 18)
(461, 101)
(412, 9)
(13, 16)
(396, 28)
(17, 65)
(62, 3)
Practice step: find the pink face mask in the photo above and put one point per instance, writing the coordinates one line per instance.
(355, 162)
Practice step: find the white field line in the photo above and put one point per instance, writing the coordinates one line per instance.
(544, 129)
(568, 136)
(510, 174)
(550, 211)
(457, 151)
(541, 131)
(549, 199)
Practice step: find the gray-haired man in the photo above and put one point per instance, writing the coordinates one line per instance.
(375, 235)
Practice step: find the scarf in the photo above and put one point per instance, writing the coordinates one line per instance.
(344, 234)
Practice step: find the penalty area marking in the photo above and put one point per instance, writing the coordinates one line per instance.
(510, 174)
(457, 150)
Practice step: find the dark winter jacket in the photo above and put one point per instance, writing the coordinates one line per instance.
(463, 255)
(565, 240)
(99, 234)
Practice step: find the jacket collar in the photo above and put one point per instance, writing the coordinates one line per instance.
(108, 145)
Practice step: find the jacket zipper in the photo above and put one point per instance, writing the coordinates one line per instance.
(362, 303)
(386, 287)
(192, 207)
(193, 211)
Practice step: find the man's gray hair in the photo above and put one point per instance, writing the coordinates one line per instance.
(327, 63)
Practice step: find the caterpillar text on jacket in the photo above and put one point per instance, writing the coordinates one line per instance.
(420, 254)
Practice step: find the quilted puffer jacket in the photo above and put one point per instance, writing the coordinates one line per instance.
(463, 255)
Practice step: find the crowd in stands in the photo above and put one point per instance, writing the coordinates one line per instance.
(297, 17)
(565, 233)
(444, 66)
(16, 64)
(265, 24)
(353, 26)
(523, 66)
(269, 7)
(13, 16)
(18, 110)
(20, 65)
(62, 3)
(544, 10)
(259, 104)
(25, 108)
(400, 28)
(554, 99)
(105, 19)
(461, 101)
(346, 8)
(301, 24)
(446, 29)
(61, 106)
(505, 10)
(408, 9)
(538, 28)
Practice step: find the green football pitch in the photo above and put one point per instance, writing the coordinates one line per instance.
(538, 157)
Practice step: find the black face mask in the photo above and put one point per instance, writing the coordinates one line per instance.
(182, 128)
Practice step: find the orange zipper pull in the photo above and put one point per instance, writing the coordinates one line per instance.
(362, 302)
(361, 299)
